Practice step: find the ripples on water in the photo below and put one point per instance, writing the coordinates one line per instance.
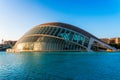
(60, 66)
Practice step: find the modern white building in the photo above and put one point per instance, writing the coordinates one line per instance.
(56, 36)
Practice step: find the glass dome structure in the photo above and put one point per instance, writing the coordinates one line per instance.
(56, 36)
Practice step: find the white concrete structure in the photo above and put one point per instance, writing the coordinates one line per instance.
(59, 37)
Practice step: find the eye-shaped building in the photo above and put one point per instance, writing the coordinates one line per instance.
(57, 36)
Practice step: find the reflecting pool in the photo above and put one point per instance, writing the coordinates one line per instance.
(60, 66)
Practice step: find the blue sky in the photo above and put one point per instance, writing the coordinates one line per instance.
(99, 17)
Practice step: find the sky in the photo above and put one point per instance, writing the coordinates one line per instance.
(99, 17)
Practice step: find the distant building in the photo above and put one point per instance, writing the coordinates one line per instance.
(117, 40)
(111, 40)
(106, 40)
(7, 44)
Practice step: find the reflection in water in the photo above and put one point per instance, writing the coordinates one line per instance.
(60, 66)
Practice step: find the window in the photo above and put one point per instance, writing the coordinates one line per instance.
(67, 35)
(44, 30)
(86, 42)
(61, 34)
(48, 30)
(71, 36)
(75, 37)
(81, 39)
(53, 30)
(57, 31)
(40, 31)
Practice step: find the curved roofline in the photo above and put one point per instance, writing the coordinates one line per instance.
(69, 26)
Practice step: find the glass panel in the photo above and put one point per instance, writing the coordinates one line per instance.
(57, 31)
(40, 30)
(75, 37)
(61, 34)
(81, 39)
(50, 30)
(71, 36)
(53, 31)
(44, 30)
(67, 35)
(47, 30)
(86, 42)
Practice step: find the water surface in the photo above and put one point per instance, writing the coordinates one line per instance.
(60, 66)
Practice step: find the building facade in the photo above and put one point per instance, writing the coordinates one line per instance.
(114, 41)
(111, 40)
(58, 37)
(106, 40)
(6, 45)
(117, 40)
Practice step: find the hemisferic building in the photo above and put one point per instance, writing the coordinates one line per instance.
(56, 36)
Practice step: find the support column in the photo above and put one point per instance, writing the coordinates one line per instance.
(90, 44)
